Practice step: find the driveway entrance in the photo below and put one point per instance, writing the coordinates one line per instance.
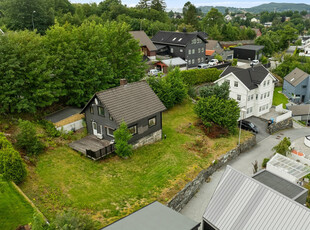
(262, 128)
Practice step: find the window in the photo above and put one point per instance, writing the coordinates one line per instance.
(91, 109)
(152, 122)
(194, 41)
(110, 132)
(267, 106)
(189, 62)
(228, 81)
(199, 50)
(100, 111)
(260, 109)
(304, 86)
(133, 129)
(94, 126)
(110, 117)
(171, 50)
(181, 50)
(249, 98)
(189, 51)
(252, 96)
(268, 94)
(236, 84)
(193, 51)
(198, 60)
(174, 39)
(268, 82)
(261, 96)
(265, 95)
(202, 49)
(193, 61)
(256, 96)
(238, 97)
(180, 39)
(264, 83)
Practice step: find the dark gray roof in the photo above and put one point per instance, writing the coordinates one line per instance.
(250, 77)
(154, 216)
(299, 110)
(249, 47)
(175, 38)
(131, 102)
(63, 114)
(143, 39)
(296, 77)
(241, 202)
(279, 184)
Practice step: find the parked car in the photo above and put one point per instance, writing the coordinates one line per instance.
(247, 125)
(254, 62)
(203, 66)
(213, 62)
(154, 72)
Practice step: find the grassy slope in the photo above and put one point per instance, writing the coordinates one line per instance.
(279, 98)
(14, 209)
(114, 187)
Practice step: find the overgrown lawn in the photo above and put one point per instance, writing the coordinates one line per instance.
(279, 97)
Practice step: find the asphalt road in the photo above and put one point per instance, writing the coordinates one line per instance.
(197, 205)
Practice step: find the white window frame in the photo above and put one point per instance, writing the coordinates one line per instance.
(171, 50)
(189, 52)
(193, 51)
(135, 130)
(108, 131)
(236, 84)
(152, 122)
(238, 97)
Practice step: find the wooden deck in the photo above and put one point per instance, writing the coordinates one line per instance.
(91, 142)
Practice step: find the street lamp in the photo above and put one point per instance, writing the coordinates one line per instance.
(242, 116)
(32, 19)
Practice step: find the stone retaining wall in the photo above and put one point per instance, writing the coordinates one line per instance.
(275, 127)
(191, 188)
(149, 139)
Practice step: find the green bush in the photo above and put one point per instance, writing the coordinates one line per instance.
(283, 147)
(122, 136)
(220, 91)
(170, 89)
(12, 166)
(265, 161)
(218, 57)
(234, 62)
(264, 60)
(27, 138)
(50, 129)
(199, 76)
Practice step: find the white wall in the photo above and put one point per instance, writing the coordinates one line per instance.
(72, 126)
(281, 173)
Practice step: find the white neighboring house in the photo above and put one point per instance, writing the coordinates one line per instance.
(255, 20)
(252, 88)
(228, 18)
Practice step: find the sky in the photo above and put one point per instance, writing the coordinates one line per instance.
(174, 4)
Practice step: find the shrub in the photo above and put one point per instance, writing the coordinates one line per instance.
(199, 76)
(12, 166)
(234, 62)
(50, 129)
(264, 60)
(283, 147)
(218, 57)
(214, 110)
(265, 161)
(27, 138)
(122, 136)
(220, 91)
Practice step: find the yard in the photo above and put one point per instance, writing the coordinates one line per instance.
(14, 209)
(114, 187)
(278, 97)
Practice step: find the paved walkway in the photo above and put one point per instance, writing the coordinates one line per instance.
(197, 205)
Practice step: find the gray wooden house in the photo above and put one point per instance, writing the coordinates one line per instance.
(134, 103)
(188, 46)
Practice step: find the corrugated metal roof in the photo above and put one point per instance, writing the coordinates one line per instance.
(131, 102)
(154, 216)
(289, 166)
(174, 62)
(240, 202)
(296, 77)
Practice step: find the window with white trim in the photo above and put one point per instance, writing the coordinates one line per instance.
(152, 122)
(238, 97)
(189, 51)
(171, 50)
(199, 50)
(100, 111)
(264, 83)
(193, 51)
(236, 84)
(268, 94)
(268, 82)
(189, 62)
(193, 61)
(181, 50)
(91, 109)
(133, 129)
(252, 96)
(110, 131)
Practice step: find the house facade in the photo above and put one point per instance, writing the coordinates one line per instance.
(188, 46)
(214, 45)
(252, 88)
(147, 46)
(134, 103)
(296, 86)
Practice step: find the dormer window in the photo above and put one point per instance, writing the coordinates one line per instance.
(174, 39)
(180, 39)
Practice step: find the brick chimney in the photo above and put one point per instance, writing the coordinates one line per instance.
(123, 81)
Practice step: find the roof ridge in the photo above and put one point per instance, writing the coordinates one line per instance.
(116, 87)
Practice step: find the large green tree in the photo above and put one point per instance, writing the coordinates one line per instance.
(158, 5)
(92, 57)
(213, 18)
(190, 14)
(26, 83)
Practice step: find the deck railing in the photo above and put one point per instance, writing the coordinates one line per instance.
(100, 153)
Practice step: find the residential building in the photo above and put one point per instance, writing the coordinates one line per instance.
(300, 112)
(296, 86)
(243, 203)
(188, 46)
(228, 18)
(257, 32)
(134, 103)
(241, 16)
(255, 20)
(268, 24)
(252, 88)
(246, 52)
(154, 216)
(147, 46)
(164, 65)
(214, 47)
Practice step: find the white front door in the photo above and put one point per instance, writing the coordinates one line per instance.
(99, 132)
(94, 124)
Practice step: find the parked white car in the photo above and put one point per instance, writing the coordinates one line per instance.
(213, 62)
(254, 62)
(203, 66)
(154, 72)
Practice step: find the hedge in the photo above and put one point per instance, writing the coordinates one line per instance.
(199, 76)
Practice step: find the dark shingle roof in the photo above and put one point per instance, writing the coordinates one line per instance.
(131, 102)
(279, 184)
(154, 216)
(214, 45)
(250, 77)
(175, 38)
(143, 39)
(249, 47)
(296, 76)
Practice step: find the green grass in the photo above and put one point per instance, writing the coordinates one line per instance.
(279, 98)
(114, 187)
(14, 209)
